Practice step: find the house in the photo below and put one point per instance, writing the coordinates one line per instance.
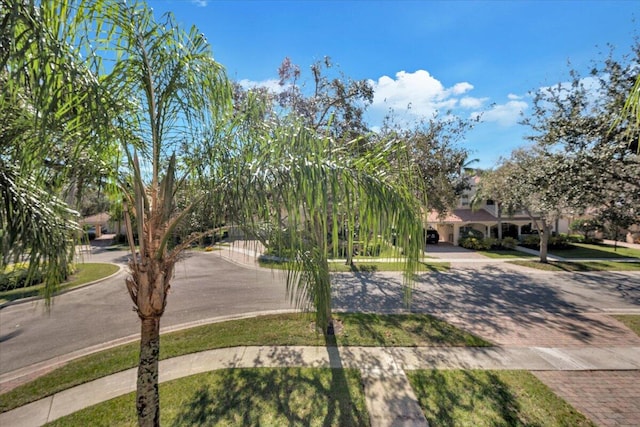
(101, 222)
(483, 218)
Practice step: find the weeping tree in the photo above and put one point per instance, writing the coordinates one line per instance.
(305, 187)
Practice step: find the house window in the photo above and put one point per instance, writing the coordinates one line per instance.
(490, 202)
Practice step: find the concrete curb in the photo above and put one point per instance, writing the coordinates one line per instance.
(65, 291)
(390, 398)
(13, 379)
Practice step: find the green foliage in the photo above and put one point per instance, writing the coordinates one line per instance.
(441, 163)
(471, 232)
(561, 241)
(52, 132)
(19, 277)
(585, 226)
(509, 243)
(478, 244)
(531, 241)
(373, 249)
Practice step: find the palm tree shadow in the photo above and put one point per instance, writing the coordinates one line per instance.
(273, 396)
(341, 410)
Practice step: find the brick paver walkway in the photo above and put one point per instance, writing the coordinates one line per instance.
(608, 398)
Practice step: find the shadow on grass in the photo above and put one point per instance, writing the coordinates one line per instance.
(494, 300)
(503, 398)
(363, 268)
(284, 396)
(595, 251)
(445, 404)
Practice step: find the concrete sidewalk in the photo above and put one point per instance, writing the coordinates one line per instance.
(390, 399)
(575, 367)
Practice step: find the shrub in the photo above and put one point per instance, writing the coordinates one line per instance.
(477, 244)
(559, 242)
(472, 233)
(530, 241)
(490, 243)
(19, 278)
(575, 238)
(509, 243)
(468, 242)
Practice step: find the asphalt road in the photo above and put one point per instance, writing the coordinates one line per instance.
(208, 286)
(205, 286)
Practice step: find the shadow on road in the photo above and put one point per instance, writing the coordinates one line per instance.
(493, 304)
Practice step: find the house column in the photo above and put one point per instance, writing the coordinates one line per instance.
(456, 234)
(519, 231)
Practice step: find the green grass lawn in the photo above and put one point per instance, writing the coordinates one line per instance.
(593, 251)
(506, 253)
(364, 266)
(86, 273)
(490, 398)
(631, 321)
(581, 266)
(282, 329)
(245, 397)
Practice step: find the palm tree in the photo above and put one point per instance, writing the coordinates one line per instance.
(168, 89)
(161, 97)
(305, 186)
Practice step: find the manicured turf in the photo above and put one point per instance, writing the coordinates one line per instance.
(86, 273)
(364, 266)
(506, 253)
(631, 321)
(245, 397)
(282, 329)
(592, 251)
(490, 398)
(582, 266)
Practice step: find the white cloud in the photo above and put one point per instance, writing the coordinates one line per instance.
(472, 103)
(460, 88)
(505, 114)
(514, 96)
(200, 3)
(272, 84)
(419, 92)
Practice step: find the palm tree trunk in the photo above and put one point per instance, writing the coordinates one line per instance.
(148, 400)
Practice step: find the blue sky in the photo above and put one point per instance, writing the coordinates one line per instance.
(463, 56)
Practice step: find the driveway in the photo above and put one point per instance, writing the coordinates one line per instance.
(508, 306)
